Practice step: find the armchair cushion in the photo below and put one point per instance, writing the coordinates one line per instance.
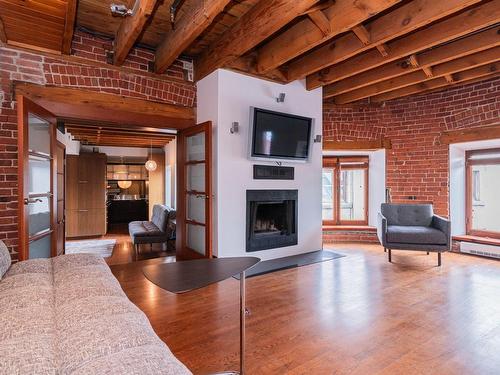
(408, 214)
(412, 234)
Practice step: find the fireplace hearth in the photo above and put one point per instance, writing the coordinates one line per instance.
(271, 219)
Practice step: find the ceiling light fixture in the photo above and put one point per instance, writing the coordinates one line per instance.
(151, 164)
(124, 184)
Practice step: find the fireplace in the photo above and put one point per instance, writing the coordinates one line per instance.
(271, 219)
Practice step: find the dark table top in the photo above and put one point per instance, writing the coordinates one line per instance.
(180, 277)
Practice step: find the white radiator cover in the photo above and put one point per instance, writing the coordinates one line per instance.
(480, 249)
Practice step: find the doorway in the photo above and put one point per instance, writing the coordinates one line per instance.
(43, 209)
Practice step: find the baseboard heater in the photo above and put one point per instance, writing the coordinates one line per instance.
(480, 249)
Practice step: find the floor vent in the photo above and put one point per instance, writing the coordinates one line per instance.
(480, 249)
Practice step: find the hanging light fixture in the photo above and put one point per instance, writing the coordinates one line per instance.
(151, 164)
(124, 184)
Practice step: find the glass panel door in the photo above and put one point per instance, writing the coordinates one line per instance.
(194, 206)
(36, 164)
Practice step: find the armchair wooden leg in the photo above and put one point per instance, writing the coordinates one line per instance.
(439, 259)
(385, 249)
(427, 253)
(389, 256)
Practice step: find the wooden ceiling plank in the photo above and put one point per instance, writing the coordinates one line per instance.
(346, 65)
(441, 70)
(130, 29)
(321, 21)
(69, 26)
(459, 48)
(301, 37)
(258, 24)
(189, 27)
(401, 21)
(438, 83)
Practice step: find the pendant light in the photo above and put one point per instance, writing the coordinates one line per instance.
(124, 184)
(151, 164)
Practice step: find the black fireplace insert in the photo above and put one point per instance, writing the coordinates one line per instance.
(271, 219)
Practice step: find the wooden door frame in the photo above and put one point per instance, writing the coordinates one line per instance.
(468, 189)
(63, 146)
(335, 162)
(182, 192)
(24, 107)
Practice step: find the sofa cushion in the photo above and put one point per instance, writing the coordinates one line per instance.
(143, 229)
(412, 234)
(161, 215)
(4, 259)
(408, 214)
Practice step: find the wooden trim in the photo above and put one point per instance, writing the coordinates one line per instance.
(192, 23)
(31, 47)
(130, 29)
(69, 26)
(349, 228)
(332, 145)
(71, 103)
(477, 239)
(470, 134)
(344, 63)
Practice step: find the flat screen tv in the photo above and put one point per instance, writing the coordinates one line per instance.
(276, 135)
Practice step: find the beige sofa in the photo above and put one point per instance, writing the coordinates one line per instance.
(69, 315)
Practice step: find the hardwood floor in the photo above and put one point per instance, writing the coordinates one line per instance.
(355, 315)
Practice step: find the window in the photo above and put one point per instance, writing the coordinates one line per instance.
(345, 190)
(483, 181)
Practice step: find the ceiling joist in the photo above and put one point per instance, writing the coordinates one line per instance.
(69, 26)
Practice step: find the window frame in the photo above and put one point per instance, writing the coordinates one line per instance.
(469, 178)
(339, 163)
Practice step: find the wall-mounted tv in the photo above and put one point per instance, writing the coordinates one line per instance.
(276, 135)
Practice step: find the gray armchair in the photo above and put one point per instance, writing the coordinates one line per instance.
(413, 227)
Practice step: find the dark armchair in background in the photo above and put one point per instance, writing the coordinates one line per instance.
(413, 227)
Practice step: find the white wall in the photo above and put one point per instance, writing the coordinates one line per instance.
(72, 147)
(120, 151)
(170, 173)
(376, 179)
(224, 97)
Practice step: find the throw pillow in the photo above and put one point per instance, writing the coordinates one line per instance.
(4, 259)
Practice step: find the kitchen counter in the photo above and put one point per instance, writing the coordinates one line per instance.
(127, 210)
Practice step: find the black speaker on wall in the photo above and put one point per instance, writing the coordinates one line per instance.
(271, 172)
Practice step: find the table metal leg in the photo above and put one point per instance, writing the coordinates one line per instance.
(242, 322)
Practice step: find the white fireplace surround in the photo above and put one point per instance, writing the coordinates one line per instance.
(225, 97)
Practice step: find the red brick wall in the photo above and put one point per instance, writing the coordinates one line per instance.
(417, 164)
(86, 69)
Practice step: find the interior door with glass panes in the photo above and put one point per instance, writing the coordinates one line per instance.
(37, 180)
(194, 198)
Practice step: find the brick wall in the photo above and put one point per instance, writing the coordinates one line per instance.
(417, 164)
(86, 68)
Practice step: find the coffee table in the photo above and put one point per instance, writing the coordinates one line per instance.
(182, 277)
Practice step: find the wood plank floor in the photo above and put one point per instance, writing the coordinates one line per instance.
(354, 315)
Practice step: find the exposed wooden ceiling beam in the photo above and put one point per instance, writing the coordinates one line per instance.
(197, 17)
(403, 20)
(383, 49)
(130, 29)
(76, 131)
(71, 103)
(441, 70)
(333, 145)
(462, 47)
(362, 34)
(467, 22)
(469, 135)
(321, 21)
(466, 76)
(304, 35)
(258, 24)
(69, 26)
